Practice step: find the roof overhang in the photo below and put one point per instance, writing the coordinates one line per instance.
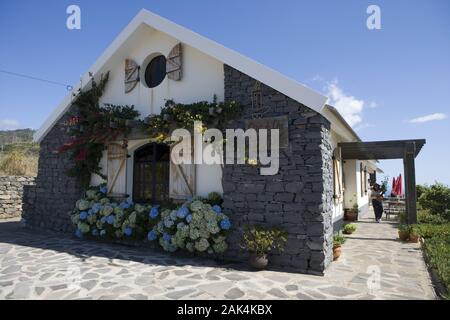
(270, 77)
(394, 149)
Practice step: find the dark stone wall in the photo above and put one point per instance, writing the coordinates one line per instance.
(11, 194)
(297, 199)
(48, 203)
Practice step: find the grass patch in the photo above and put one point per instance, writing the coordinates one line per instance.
(19, 159)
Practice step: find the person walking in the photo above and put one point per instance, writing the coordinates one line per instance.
(377, 201)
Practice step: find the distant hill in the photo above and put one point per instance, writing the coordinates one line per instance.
(16, 136)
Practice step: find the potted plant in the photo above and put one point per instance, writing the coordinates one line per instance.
(259, 242)
(351, 214)
(338, 241)
(403, 232)
(414, 234)
(349, 228)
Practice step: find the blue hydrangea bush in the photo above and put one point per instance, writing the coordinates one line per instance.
(198, 225)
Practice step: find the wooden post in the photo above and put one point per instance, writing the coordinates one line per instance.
(410, 182)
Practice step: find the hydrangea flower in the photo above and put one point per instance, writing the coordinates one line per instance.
(82, 205)
(154, 213)
(78, 233)
(96, 207)
(217, 208)
(225, 224)
(94, 232)
(196, 205)
(220, 247)
(106, 210)
(201, 245)
(128, 231)
(152, 235)
(168, 223)
(110, 219)
(182, 212)
(83, 215)
(102, 233)
(125, 205)
(103, 220)
(89, 212)
(180, 225)
(103, 189)
(189, 218)
(166, 236)
(83, 227)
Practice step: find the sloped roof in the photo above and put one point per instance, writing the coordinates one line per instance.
(272, 78)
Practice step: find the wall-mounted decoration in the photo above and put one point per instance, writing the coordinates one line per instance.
(257, 95)
(131, 75)
(173, 63)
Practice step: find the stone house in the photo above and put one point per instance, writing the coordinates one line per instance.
(154, 59)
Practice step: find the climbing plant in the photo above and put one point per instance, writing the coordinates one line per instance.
(91, 126)
(177, 115)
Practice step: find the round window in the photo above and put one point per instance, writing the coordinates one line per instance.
(155, 71)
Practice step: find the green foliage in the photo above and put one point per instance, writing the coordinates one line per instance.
(424, 216)
(91, 127)
(349, 228)
(421, 189)
(338, 240)
(436, 199)
(259, 240)
(437, 249)
(176, 115)
(214, 198)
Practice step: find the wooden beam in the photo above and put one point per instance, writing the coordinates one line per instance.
(410, 182)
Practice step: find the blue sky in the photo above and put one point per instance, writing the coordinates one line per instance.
(392, 83)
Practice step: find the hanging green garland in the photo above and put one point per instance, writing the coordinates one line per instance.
(176, 115)
(91, 127)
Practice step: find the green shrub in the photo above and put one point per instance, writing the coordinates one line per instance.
(421, 189)
(438, 252)
(436, 199)
(425, 216)
(429, 231)
(338, 240)
(259, 240)
(349, 228)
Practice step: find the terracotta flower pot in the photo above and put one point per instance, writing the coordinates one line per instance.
(403, 235)
(337, 250)
(350, 215)
(258, 261)
(414, 238)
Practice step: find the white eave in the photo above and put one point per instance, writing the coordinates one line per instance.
(272, 78)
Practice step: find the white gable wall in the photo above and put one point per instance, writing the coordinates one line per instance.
(203, 77)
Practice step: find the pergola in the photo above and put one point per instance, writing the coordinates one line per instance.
(398, 149)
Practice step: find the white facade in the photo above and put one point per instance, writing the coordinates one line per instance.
(203, 77)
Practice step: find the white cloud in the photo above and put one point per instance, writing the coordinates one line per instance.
(7, 124)
(429, 117)
(348, 106)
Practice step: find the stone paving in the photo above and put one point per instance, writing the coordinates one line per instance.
(41, 265)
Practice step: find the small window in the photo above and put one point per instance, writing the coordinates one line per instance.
(155, 71)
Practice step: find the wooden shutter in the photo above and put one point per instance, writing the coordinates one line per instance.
(131, 75)
(116, 167)
(338, 189)
(182, 179)
(173, 63)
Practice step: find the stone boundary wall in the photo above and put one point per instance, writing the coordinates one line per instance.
(11, 193)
